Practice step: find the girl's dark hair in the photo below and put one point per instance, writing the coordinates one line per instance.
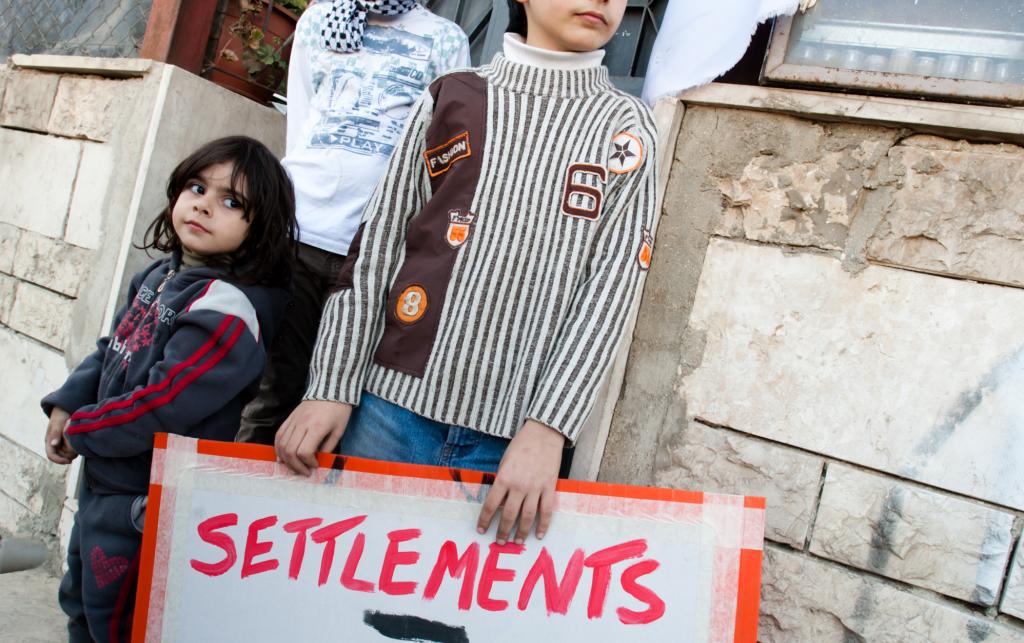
(268, 252)
(516, 18)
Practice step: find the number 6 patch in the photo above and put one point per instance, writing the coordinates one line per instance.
(412, 305)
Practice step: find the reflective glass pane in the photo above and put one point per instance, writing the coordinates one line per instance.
(972, 40)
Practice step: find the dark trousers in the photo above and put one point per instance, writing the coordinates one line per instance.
(98, 590)
(284, 379)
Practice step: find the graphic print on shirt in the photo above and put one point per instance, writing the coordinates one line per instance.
(364, 102)
(584, 190)
(138, 326)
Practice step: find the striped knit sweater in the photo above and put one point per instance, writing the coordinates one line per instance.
(497, 262)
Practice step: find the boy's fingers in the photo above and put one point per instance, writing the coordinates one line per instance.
(547, 508)
(306, 450)
(529, 512)
(490, 506)
(509, 512)
(332, 440)
(289, 451)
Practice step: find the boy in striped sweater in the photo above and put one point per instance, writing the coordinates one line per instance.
(488, 287)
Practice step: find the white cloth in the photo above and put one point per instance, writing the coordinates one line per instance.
(516, 50)
(346, 112)
(700, 40)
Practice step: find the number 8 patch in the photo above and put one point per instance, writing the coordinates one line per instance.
(412, 305)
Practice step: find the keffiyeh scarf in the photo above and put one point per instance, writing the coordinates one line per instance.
(346, 20)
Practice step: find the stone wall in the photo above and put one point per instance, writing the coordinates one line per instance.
(86, 146)
(835, 320)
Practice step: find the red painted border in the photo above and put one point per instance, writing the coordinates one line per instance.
(749, 596)
(152, 527)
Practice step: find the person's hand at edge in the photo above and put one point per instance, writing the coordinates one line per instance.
(525, 484)
(57, 448)
(314, 425)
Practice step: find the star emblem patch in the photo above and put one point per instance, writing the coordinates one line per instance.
(626, 153)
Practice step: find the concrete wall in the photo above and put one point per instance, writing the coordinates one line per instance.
(834, 319)
(86, 147)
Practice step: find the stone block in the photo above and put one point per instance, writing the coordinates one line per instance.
(722, 461)
(30, 372)
(899, 371)
(87, 107)
(8, 245)
(1013, 599)
(806, 599)
(959, 211)
(8, 285)
(38, 174)
(41, 314)
(51, 263)
(88, 203)
(809, 203)
(28, 99)
(30, 479)
(927, 539)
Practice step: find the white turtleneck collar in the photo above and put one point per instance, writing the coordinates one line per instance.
(516, 50)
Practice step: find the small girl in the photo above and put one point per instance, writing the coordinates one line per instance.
(185, 355)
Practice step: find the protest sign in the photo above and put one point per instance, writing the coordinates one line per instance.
(238, 548)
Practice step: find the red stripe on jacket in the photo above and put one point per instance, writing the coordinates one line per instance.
(161, 385)
(168, 396)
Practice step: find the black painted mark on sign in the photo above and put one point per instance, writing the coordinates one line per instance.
(403, 627)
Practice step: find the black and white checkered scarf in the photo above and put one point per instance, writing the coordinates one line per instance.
(346, 21)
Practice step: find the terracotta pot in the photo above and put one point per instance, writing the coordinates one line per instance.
(231, 74)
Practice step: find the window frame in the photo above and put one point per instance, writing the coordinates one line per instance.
(776, 71)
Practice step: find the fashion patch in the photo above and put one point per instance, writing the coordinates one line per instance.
(646, 251)
(412, 305)
(584, 190)
(460, 222)
(626, 154)
(442, 158)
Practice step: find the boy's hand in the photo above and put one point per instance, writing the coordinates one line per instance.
(525, 484)
(314, 425)
(57, 448)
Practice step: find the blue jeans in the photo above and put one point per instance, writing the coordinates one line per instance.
(381, 430)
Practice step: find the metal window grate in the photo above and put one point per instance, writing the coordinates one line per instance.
(107, 28)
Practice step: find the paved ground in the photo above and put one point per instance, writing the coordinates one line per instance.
(28, 608)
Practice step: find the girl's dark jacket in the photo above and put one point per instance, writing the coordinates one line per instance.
(185, 356)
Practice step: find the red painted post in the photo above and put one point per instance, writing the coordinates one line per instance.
(178, 31)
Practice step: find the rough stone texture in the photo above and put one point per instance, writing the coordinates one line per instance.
(8, 244)
(899, 371)
(88, 203)
(805, 599)
(803, 202)
(722, 461)
(38, 173)
(958, 211)
(4, 73)
(8, 285)
(87, 107)
(37, 370)
(51, 263)
(41, 314)
(923, 538)
(15, 518)
(28, 99)
(1013, 599)
(30, 479)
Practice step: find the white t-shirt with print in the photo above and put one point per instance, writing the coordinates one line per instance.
(346, 112)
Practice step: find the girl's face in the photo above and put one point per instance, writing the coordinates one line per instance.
(572, 25)
(209, 217)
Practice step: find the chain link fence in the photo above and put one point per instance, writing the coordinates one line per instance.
(107, 28)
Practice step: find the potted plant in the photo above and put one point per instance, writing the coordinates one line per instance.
(250, 56)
